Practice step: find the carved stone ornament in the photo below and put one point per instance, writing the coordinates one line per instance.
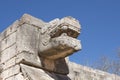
(32, 49)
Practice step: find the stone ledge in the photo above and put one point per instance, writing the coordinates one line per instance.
(26, 18)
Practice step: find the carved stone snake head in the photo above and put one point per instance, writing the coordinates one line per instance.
(58, 38)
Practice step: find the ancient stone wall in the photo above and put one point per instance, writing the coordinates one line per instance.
(79, 72)
(31, 49)
(8, 52)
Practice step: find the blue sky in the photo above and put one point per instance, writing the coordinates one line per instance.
(100, 20)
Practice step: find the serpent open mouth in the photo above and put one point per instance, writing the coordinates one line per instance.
(63, 41)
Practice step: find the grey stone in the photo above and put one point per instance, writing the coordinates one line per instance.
(9, 63)
(31, 49)
(34, 73)
(11, 29)
(38, 74)
(26, 18)
(8, 41)
(79, 72)
(8, 53)
(27, 38)
(10, 72)
(28, 58)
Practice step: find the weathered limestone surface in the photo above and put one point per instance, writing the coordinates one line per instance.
(79, 72)
(31, 49)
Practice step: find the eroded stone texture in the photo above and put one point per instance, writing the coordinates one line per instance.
(31, 49)
(37, 49)
(79, 72)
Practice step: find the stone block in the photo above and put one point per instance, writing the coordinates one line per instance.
(19, 77)
(8, 41)
(12, 28)
(41, 74)
(79, 72)
(9, 63)
(35, 73)
(28, 58)
(11, 78)
(8, 53)
(23, 57)
(27, 38)
(10, 72)
(26, 18)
